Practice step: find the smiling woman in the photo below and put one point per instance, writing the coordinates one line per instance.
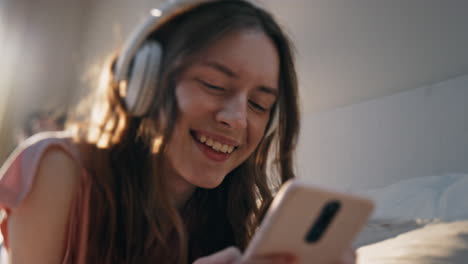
(172, 165)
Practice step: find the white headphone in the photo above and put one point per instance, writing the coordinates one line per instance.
(145, 56)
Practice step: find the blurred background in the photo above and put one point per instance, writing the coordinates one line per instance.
(384, 84)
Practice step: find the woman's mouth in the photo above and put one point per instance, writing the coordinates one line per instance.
(212, 148)
(213, 144)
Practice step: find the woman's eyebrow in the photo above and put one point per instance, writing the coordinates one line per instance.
(224, 69)
(268, 90)
(220, 67)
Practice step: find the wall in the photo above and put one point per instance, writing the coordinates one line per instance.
(420, 132)
(40, 49)
(51, 53)
(109, 22)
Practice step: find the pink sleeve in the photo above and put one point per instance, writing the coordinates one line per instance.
(18, 172)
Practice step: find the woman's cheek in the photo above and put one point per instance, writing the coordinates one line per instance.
(256, 132)
(192, 98)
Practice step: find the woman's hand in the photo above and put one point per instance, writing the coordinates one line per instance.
(232, 255)
(349, 257)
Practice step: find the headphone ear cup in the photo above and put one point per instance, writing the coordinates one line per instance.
(142, 80)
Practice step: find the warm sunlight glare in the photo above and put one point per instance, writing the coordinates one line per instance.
(156, 144)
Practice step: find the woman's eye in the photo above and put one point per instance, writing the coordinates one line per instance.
(211, 86)
(258, 107)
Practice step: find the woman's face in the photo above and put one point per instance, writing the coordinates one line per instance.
(224, 100)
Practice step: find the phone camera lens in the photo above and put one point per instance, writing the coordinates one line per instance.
(323, 221)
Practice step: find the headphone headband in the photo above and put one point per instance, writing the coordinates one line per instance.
(141, 33)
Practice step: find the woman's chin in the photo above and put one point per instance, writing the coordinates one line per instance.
(209, 183)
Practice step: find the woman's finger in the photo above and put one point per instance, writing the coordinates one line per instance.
(349, 257)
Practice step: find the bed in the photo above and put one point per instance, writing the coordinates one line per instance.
(420, 220)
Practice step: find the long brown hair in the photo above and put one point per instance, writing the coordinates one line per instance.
(131, 217)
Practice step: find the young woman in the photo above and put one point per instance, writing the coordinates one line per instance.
(182, 153)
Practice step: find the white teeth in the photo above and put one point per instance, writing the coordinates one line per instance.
(202, 139)
(224, 148)
(216, 146)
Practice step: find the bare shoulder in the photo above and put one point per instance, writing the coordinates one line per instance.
(57, 177)
(57, 169)
(37, 228)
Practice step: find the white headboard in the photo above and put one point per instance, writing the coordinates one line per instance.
(419, 132)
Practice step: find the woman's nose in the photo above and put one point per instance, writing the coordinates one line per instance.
(233, 113)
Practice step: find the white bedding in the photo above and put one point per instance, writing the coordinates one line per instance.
(421, 220)
(434, 243)
(378, 230)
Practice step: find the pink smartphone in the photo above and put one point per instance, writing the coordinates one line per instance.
(315, 224)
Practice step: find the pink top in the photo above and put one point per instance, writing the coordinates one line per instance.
(16, 178)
